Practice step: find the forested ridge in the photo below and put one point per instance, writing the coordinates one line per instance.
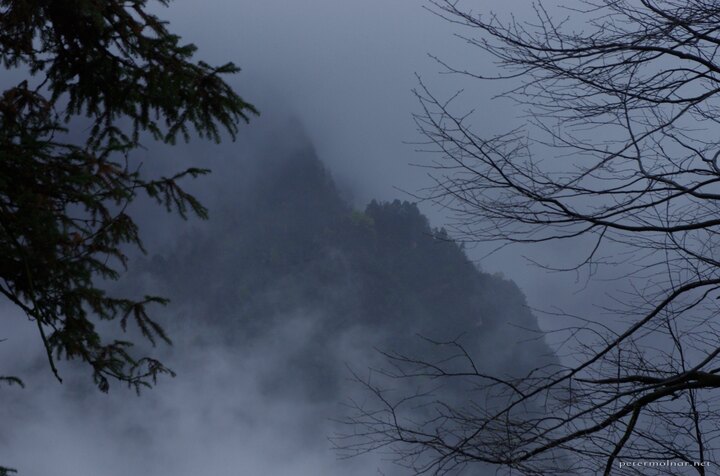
(291, 247)
(286, 290)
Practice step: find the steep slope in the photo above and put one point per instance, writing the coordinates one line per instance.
(285, 287)
(291, 251)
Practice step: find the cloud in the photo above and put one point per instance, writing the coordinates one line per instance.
(246, 400)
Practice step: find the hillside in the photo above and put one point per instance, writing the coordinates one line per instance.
(273, 299)
(290, 251)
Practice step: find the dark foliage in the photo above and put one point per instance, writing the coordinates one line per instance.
(114, 71)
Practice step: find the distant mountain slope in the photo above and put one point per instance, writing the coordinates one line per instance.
(290, 250)
(271, 300)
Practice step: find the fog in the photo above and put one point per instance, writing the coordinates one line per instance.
(335, 78)
(346, 71)
(274, 300)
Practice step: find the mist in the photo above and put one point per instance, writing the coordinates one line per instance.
(264, 339)
(275, 301)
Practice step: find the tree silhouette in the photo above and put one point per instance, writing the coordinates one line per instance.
(620, 150)
(108, 74)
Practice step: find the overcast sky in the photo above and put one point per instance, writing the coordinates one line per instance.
(345, 71)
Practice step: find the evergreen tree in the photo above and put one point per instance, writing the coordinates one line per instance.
(117, 70)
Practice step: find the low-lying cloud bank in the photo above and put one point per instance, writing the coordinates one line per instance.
(285, 287)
